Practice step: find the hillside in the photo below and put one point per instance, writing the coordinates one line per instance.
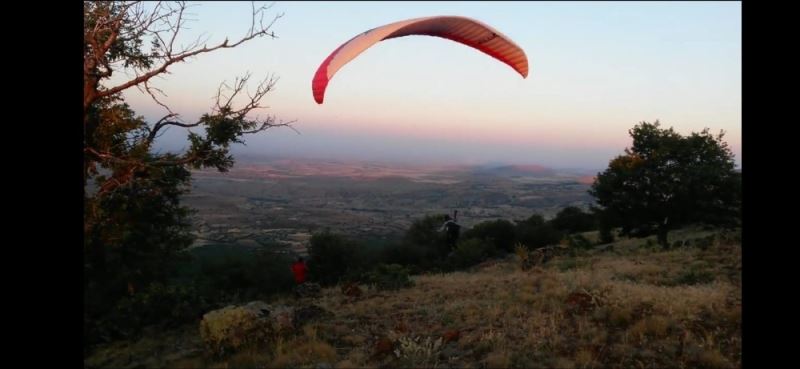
(631, 305)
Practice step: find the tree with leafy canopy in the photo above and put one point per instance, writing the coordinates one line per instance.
(134, 223)
(666, 180)
(573, 219)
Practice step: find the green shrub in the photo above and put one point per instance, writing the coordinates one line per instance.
(239, 274)
(160, 305)
(409, 255)
(498, 233)
(572, 220)
(331, 256)
(535, 232)
(470, 252)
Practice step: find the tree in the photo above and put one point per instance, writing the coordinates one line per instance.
(665, 181)
(134, 223)
(572, 219)
(114, 138)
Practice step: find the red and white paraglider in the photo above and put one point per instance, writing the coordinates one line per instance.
(463, 30)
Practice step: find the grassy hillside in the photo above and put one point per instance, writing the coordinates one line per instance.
(632, 306)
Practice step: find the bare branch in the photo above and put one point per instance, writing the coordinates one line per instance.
(224, 103)
(269, 123)
(177, 28)
(238, 86)
(264, 87)
(253, 18)
(193, 50)
(151, 91)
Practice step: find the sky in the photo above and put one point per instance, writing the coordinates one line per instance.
(596, 70)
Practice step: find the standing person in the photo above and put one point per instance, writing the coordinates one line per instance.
(452, 228)
(299, 269)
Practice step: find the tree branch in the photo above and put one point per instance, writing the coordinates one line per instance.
(172, 59)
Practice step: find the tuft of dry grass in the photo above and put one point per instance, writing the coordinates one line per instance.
(306, 349)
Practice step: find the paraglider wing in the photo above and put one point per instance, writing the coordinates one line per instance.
(459, 29)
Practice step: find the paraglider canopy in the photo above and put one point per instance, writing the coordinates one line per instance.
(463, 30)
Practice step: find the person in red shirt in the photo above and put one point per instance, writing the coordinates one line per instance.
(299, 269)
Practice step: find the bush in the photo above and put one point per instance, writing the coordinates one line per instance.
(425, 233)
(160, 305)
(470, 252)
(209, 277)
(239, 274)
(422, 248)
(228, 329)
(535, 232)
(405, 254)
(572, 220)
(389, 277)
(499, 233)
(523, 255)
(366, 254)
(331, 257)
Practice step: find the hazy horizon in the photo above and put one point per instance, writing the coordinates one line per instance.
(257, 158)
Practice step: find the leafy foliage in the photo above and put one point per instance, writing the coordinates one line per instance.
(666, 180)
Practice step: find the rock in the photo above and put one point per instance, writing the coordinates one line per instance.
(258, 307)
(323, 366)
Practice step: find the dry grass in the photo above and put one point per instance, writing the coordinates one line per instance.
(649, 308)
